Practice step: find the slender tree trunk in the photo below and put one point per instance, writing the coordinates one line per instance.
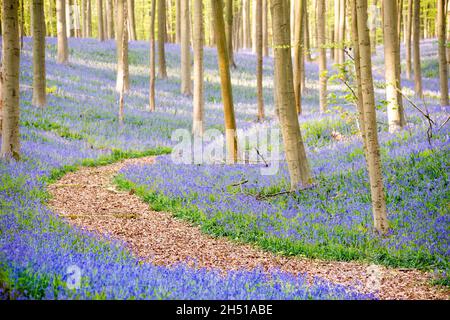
(323, 73)
(299, 171)
(122, 57)
(178, 22)
(131, 20)
(10, 88)
(162, 72)
(152, 57)
(337, 12)
(253, 25)
(408, 39)
(83, 18)
(38, 27)
(225, 80)
(22, 24)
(89, 19)
(265, 30)
(109, 19)
(63, 53)
(368, 101)
(186, 87)
(259, 59)
(122, 82)
(101, 34)
(306, 36)
(416, 49)
(229, 30)
(341, 31)
(443, 72)
(396, 117)
(298, 53)
(373, 29)
(246, 23)
(399, 20)
(198, 35)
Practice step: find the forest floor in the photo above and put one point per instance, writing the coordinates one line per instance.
(161, 239)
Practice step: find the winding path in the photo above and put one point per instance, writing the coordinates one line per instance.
(88, 198)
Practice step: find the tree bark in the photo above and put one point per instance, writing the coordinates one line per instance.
(10, 88)
(198, 35)
(109, 19)
(298, 167)
(178, 22)
(416, 50)
(341, 33)
(224, 70)
(395, 114)
(246, 23)
(265, 30)
(152, 106)
(38, 27)
(63, 53)
(131, 21)
(229, 30)
(122, 81)
(162, 71)
(259, 58)
(186, 87)
(408, 39)
(371, 134)
(89, 19)
(298, 53)
(101, 33)
(306, 36)
(323, 73)
(443, 67)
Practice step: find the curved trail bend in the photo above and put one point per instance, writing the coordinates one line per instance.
(88, 198)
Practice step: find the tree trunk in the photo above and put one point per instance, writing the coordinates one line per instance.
(101, 34)
(225, 80)
(253, 22)
(122, 65)
(396, 117)
(246, 23)
(10, 88)
(162, 72)
(265, 30)
(38, 27)
(323, 73)
(408, 39)
(178, 22)
(83, 18)
(89, 19)
(336, 30)
(443, 72)
(298, 53)
(341, 33)
(131, 21)
(259, 58)
(197, 125)
(63, 53)
(229, 30)
(122, 82)
(416, 49)
(299, 171)
(109, 19)
(306, 36)
(370, 125)
(186, 87)
(152, 57)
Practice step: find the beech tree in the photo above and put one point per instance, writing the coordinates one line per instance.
(443, 67)
(122, 81)
(186, 86)
(152, 57)
(298, 167)
(10, 74)
(162, 71)
(198, 40)
(259, 59)
(100, 30)
(109, 19)
(298, 53)
(63, 52)
(225, 80)
(396, 117)
(131, 21)
(38, 33)
(323, 73)
(416, 49)
(229, 30)
(366, 103)
(408, 39)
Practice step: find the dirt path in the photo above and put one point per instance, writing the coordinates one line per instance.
(88, 198)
